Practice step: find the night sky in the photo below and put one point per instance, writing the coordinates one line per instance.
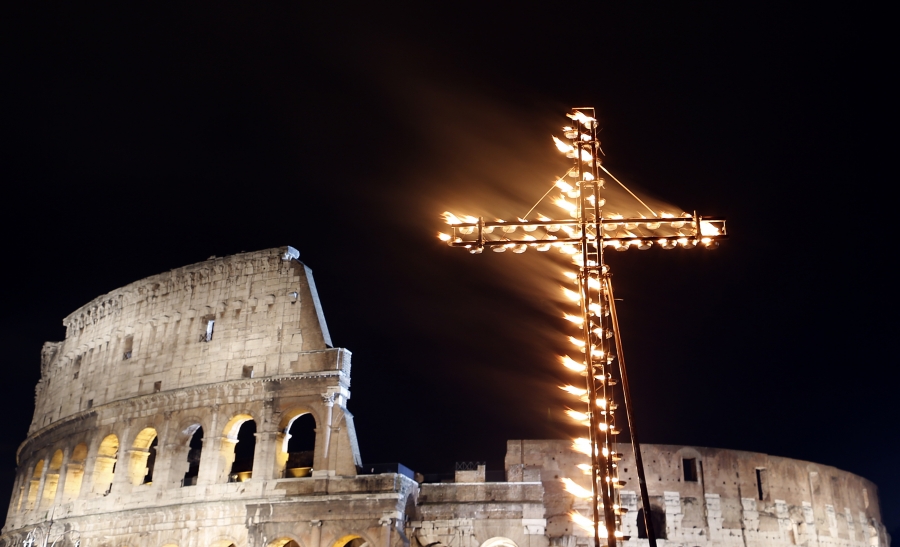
(140, 139)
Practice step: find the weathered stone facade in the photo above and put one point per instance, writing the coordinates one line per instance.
(141, 412)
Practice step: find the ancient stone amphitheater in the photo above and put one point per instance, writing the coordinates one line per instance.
(206, 407)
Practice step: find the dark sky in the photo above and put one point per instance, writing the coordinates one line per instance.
(139, 141)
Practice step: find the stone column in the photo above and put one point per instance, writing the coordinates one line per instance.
(328, 399)
(315, 534)
(220, 457)
(264, 454)
(41, 482)
(386, 523)
(61, 481)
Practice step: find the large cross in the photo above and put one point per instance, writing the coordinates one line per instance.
(587, 232)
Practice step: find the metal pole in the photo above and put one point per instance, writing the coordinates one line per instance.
(638, 461)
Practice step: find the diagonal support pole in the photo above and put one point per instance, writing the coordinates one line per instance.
(626, 392)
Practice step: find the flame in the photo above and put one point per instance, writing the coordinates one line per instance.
(577, 416)
(571, 295)
(563, 204)
(707, 229)
(587, 524)
(450, 218)
(576, 341)
(585, 468)
(444, 237)
(570, 275)
(601, 402)
(574, 319)
(564, 186)
(573, 488)
(588, 176)
(572, 364)
(561, 146)
(577, 391)
(586, 156)
(582, 446)
(579, 116)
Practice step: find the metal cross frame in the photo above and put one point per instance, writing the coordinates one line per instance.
(587, 233)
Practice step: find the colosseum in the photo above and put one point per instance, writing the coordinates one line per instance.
(206, 407)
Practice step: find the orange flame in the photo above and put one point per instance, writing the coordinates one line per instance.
(573, 488)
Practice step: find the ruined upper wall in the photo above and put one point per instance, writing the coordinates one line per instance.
(747, 498)
(152, 335)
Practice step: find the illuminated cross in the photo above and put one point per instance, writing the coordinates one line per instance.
(585, 235)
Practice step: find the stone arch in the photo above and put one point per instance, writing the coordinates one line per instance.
(105, 464)
(351, 540)
(240, 428)
(499, 541)
(75, 472)
(284, 542)
(35, 484)
(194, 453)
(51, 479)
(296, 443)
(224, 542)
(143, 457)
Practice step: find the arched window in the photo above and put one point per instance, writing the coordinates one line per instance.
(499, 542)
(657, 520)
(51, 481)
(351, 541)
(75, 472)
(35, 484)
(297, 447)
(105, 466)
(143, 457)
(245, 438)
(283, 542)
(194, 451)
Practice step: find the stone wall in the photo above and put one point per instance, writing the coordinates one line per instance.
(727, 497)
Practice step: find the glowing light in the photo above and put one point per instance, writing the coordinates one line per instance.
(577, 342)
(563, 204)
(564, 186)
(574, 319)
(601, 402)
(561, 146)
(585, 468)
(587, 524)
(582, 446)
(571, 275)
(576, 391)
(571, 295)
(568, 249)
(527, 228)
(588, 176)
(571, 364)
(450, 218)
(707, 229)
(444, 237)
(585, 120)
(573, 488)
(577, 416)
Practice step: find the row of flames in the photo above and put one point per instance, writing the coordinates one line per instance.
(591, 293)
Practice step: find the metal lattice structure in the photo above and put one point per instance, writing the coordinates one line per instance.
(586, 234)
